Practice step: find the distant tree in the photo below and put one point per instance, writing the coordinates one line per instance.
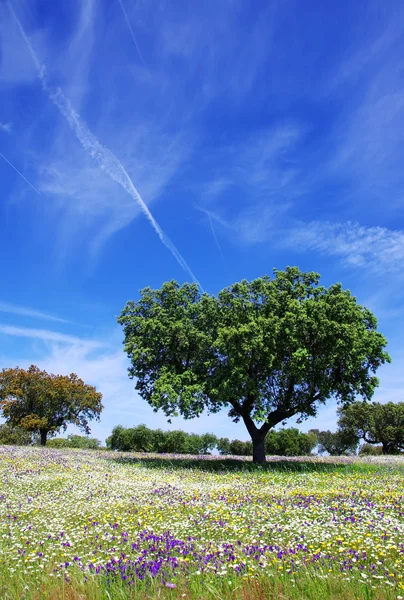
(267, 349)
(141, 439)
(290, 442)
(193, 444)
(337, 443)
(42, 403)
(159, 441)
(119, 439)
(375, 423)
(15, 436)
(239, 448)
(208, 442)
(308, 441)
(200, 444)
(58, 442)
(176, 442)
(82, 441)
(370, 450)
(223, 446)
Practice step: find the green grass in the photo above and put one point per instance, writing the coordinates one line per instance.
(303, 586)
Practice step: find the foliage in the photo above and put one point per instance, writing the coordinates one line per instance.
(75, 441)
(336, 443)
(285, 442)
(15, 436)
(143, 439)
(375, 423)
(290, 442)
(39, 402)
(267, 349)
(223, 446)
(370, 450)
(239, 448)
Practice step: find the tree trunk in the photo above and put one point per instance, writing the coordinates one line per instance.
(388, 448)
(44, 435)
(258, 441)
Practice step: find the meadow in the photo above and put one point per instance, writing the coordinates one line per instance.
(92, 525)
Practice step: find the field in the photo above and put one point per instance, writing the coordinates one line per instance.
(78, 525)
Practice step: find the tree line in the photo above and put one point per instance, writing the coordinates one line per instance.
(373, 427)
(286, 442)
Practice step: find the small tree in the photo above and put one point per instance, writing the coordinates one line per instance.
(223, 446)
(42, 403)
(370, 450)
(290, 442)
(15, 436)
(82, 441)
(375, 423)
(267, 349)
(119, 439)
(240, 448)
(337, 443)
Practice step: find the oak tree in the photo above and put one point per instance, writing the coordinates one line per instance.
(266, 349)
(42, 403)
(375, 423)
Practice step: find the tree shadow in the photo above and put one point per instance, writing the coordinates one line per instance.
(225, 465)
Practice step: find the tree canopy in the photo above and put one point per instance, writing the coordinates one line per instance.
(266, 349)
(143, 439)
(336, 443)
(375, 423)
(39, 402)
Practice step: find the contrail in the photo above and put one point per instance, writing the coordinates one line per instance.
(125, 14)
(216, 240)
(19, 173)
(106, 159)
(209, 215)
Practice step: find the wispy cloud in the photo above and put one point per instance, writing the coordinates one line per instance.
(19, 173)
(377, 248)
(263, 165)
(6, 127)
(365, 145)
(49, 336)
(104, 157)
(262, 175)
(79, 192)
(14, 309)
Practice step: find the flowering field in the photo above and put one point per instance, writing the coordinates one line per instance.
(76, 524)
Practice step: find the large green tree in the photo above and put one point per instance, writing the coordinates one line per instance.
(267, 349)
(42, 403)
(375, 423)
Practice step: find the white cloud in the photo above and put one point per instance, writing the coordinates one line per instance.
(6, 127)
(376, 248)
(49, 336)
(14, 309)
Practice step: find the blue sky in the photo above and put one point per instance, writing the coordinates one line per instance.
(142, 141)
